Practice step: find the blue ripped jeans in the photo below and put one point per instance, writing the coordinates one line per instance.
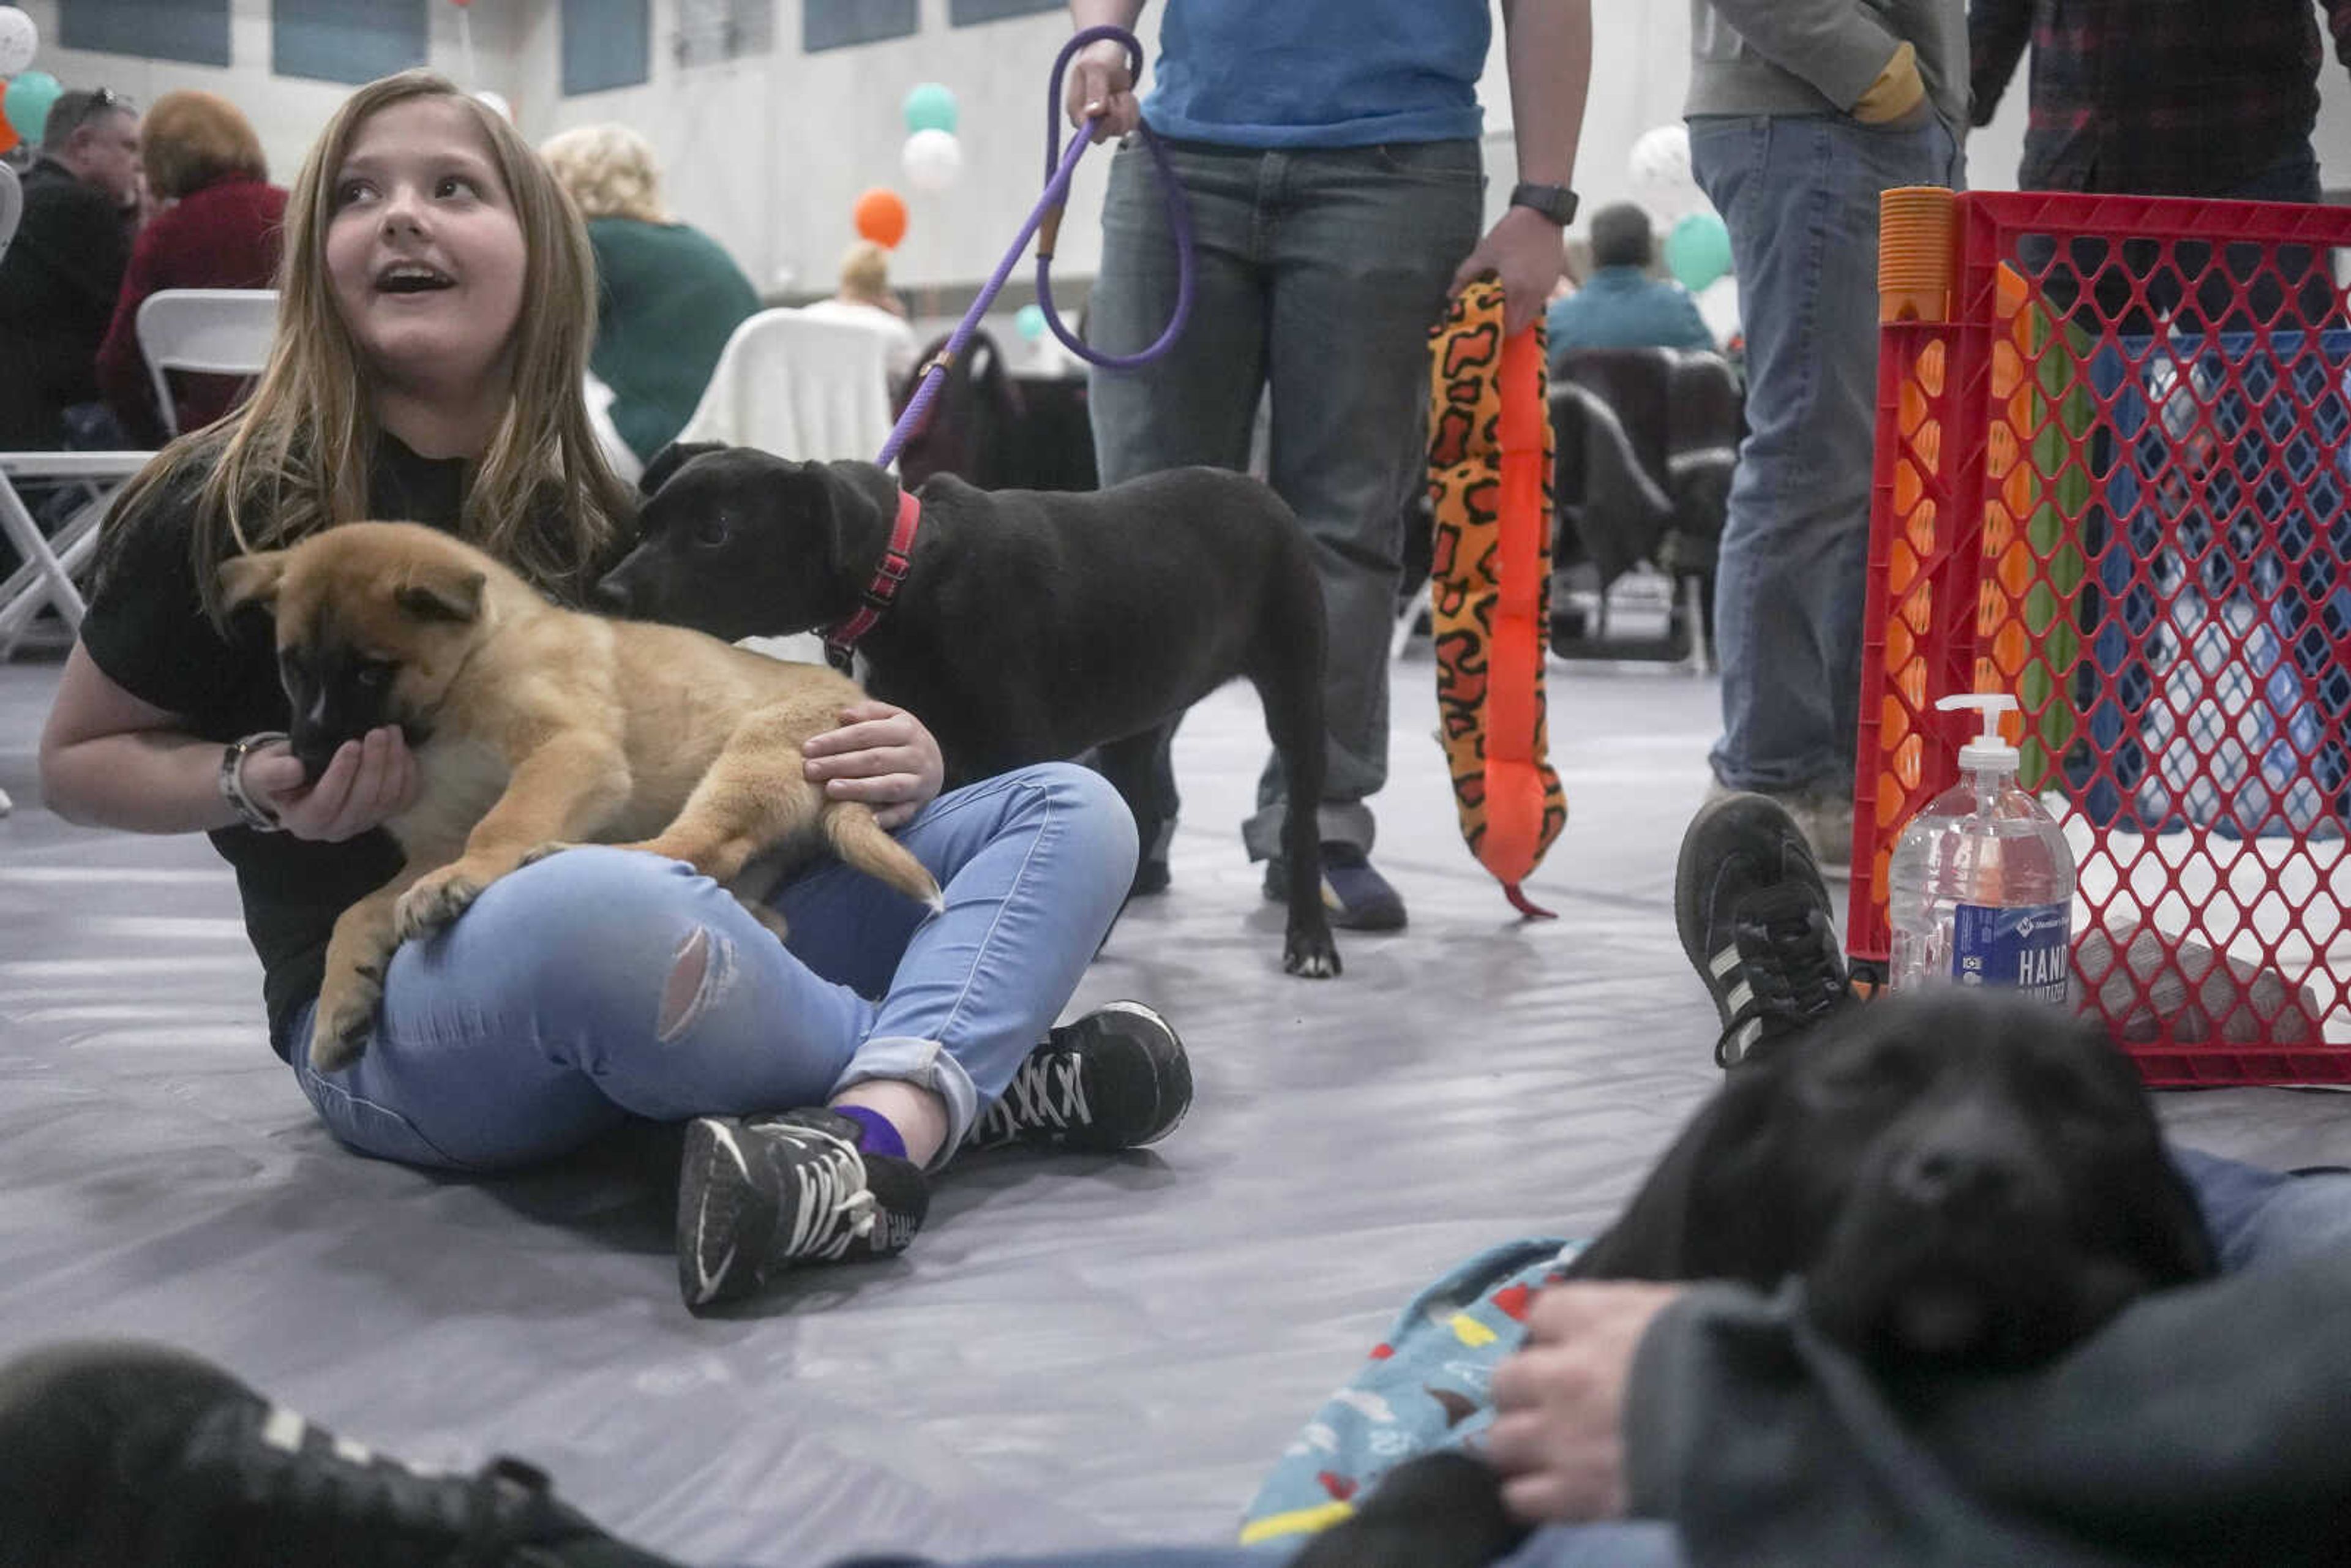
(534, 1023)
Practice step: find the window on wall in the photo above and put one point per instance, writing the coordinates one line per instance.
(605, 44)
(964, 12)
(712, 30)
(345, 40)
(195, 31)
(837, 24)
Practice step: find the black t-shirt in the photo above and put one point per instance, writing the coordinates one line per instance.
(147, 630)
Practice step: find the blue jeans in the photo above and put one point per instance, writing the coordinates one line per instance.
(1320, 273)
(531, 1025)
(1799, 196)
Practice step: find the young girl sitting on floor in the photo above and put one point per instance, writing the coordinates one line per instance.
(435, 306)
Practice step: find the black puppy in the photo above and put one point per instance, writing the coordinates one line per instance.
(1031, 626)
(1963, 1181)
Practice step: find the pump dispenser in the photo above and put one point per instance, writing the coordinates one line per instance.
(1980, 888)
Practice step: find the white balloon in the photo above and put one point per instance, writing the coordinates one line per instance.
(1661, 158)
(932, 160)
(498, 101)
(19, 39)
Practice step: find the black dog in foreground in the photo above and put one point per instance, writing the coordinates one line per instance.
(1963, 1182)
(1031, 626)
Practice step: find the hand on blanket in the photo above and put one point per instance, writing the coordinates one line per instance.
(1559, 1404)
(880, 755)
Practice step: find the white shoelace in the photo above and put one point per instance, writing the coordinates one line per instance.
(1047, 1091)
(831, 1189)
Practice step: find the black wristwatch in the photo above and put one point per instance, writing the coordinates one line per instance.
(1556, 202)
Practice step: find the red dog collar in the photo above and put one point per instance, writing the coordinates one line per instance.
(839, 640)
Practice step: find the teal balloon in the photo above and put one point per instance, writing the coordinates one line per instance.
(1029, 322)
(29, 98)
(930, 107)
(1698, 251)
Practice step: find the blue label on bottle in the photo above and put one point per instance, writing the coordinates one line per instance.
(2024, 948)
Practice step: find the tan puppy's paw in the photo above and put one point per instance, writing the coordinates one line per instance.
(437, 898)
(553, 847)
(345, 1019)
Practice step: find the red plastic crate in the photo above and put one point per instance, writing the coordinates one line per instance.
(2113, 479)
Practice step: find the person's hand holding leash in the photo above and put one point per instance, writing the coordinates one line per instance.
(369, 783)
(1101, 83)
(880, 755)
(1557, 1434)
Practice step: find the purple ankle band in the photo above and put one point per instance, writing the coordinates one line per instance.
(876, 1135)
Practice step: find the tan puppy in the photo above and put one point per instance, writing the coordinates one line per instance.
(534, 728)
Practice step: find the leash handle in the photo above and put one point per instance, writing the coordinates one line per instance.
(1179, 211)
(1060, 164)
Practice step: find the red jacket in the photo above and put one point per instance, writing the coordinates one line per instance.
(225, 235)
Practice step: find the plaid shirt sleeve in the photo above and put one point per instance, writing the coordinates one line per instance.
(1997, 31)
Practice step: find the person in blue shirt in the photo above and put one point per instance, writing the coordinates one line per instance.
(1329, 150)
(1622, 306)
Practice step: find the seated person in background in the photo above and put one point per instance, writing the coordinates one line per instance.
(668, 296)
(864, 295)
(218, 228)
(62, 272)
(1622, 307)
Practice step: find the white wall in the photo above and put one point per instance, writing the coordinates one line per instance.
(768, 153)
(286, 112)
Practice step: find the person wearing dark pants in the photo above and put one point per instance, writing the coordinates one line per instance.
(1328, 153)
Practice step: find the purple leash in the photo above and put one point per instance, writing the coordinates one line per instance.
(1060, 164)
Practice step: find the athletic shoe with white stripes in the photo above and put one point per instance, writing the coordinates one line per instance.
(1757, 924)
(1115, 1079)
(113, 1454)
(757, 1195)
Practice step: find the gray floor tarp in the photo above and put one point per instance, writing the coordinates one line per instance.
(1076, 1349)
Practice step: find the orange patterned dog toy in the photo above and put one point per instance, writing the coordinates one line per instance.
(1489, 457)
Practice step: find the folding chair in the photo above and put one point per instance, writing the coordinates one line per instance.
(212, 331)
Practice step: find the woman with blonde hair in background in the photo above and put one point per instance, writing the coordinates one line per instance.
(865, 297)
(216, 227)
(668, 296)
(429, 365)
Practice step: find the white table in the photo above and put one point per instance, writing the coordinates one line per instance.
(47, 576)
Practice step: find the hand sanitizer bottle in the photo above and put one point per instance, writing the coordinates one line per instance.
(1980, 888)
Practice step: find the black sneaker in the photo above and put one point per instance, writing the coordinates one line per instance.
(1115, 1079)
(123, 1453)
(1756, 922)
(1358, 897)
(757, 1194)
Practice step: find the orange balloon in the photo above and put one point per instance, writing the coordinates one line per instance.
(881, 215)
(8, 137)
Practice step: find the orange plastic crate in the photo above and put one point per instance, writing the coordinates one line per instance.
(2113, 479)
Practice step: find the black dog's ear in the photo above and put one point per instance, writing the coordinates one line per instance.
(670, 459)
(853, 505)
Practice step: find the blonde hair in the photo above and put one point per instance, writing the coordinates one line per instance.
(296, 458)
(190, 139)
(865, 272)
(610, 172)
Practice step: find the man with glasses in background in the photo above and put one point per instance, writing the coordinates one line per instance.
(61, 276)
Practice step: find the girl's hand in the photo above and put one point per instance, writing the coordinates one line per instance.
(370, 781)
(881, 754)
(1558, 1432)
